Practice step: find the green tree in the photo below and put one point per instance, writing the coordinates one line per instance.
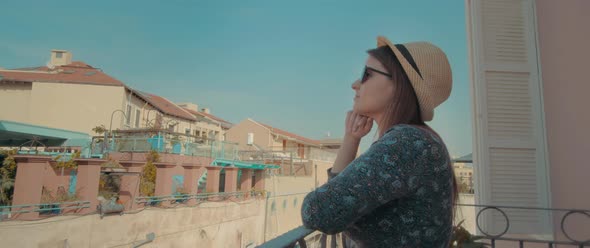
(7, 176)
(148, 176)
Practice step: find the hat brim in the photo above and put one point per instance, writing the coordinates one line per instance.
(413, 76)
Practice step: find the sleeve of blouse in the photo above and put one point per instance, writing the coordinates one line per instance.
(383, 173)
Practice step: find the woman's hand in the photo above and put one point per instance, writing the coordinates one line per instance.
(357, 126)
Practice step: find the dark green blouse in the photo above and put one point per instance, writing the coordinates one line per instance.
(397, 194)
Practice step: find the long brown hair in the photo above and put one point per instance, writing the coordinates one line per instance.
(404, 107)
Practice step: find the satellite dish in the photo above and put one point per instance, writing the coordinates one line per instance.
(50, 65)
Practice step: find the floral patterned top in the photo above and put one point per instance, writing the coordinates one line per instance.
(397, 194)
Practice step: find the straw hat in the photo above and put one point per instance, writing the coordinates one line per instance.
(429, 72)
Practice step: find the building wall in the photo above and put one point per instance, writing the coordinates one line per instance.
(208, 128)
(76, 107)
(138, 104)
(563, 46)
(211, 224)
(15, 99)
(148, 115)
(239, 134)
(464, 174)
(287, 194)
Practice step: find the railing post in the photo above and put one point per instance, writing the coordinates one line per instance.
(246, 182)
(231, 180)
(212, 186)
(130, 181)
(324, 240)
(29, 183)
(88, 180)
(164, 179)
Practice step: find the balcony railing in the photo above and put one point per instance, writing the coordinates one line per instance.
(165, 144)
(201, 197)
(303, 237)
(311, 153)
(54, 208)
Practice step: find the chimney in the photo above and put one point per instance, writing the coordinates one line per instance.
(189, 105)
(60, 57)
(206, 110)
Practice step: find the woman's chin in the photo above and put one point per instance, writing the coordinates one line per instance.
(358, 110)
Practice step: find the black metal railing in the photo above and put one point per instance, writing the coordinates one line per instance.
(304, 237)
(505, 213)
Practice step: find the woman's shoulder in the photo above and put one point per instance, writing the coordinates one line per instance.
(411, 132)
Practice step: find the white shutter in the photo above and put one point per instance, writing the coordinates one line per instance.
(509, 134)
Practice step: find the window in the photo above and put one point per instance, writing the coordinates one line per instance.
(137, 119)
(128, 115)
(59, 55)
(301, 151)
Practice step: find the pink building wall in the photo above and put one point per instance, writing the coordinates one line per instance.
(564, 39)
(53, 179)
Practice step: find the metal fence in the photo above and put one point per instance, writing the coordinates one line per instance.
(201, 197)
(310, 153)
(54, 208)
(164, 144)
(304, 237)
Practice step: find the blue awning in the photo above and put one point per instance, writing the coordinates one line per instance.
(242, 164)
(465, 159)
(14, 134)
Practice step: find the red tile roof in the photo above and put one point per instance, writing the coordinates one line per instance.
(76, 72)
(164, 105)
(289, 134)
(210, 116)
(80, 72)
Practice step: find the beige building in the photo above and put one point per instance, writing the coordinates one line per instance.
(64, 94)
(207, 125)
(255, 136)
(294, 154)
(75, 96)
(464, 176)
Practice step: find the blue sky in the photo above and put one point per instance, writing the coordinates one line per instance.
(289, 64)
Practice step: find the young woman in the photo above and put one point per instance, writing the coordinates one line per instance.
(401, 192)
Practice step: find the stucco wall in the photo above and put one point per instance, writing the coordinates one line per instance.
(76, 107)
(563, 45)
(211, 224)
(239, 134)
(15, 100)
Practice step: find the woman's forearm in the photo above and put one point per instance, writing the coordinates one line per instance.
(346, 154)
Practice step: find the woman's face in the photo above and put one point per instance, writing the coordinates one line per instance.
(375, 94)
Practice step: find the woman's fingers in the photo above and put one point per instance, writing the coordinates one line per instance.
(358, 125)
(368, 125)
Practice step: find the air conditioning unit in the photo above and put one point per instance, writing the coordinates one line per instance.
(250, 139)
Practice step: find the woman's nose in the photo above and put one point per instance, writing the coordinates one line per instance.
(356, 85)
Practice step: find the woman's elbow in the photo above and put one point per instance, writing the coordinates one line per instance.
(316, 221)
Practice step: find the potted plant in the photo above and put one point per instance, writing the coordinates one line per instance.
(49, 204)
(461, 238)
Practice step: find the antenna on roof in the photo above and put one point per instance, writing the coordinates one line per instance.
(50, 65)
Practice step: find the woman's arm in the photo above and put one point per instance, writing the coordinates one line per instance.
(356, 127)
(390, 169)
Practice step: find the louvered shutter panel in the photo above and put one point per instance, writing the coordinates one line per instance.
(509, 135)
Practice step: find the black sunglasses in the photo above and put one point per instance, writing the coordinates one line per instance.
(365, 76)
